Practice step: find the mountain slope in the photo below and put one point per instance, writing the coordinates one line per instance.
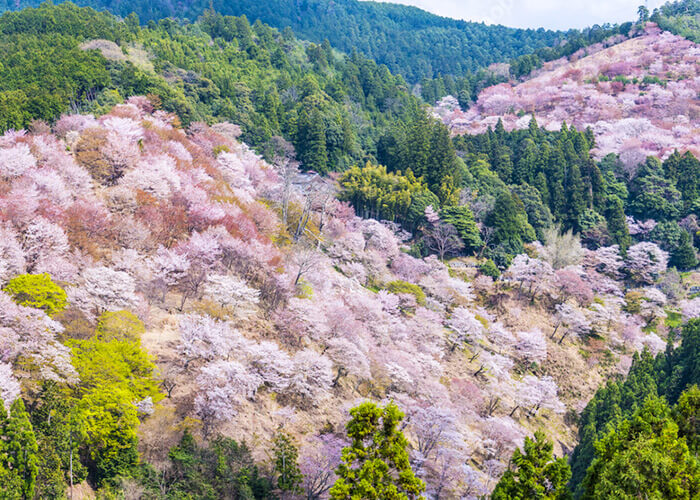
(639, 97)
(330, 106)
(257, 326)
(410, 41)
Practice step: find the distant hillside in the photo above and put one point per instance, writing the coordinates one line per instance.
(680, 18)
(639, 97)
(331, 107)
(408, 40)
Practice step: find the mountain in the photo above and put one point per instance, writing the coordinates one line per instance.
(238, 264)
(330, 106)
(639, 96)
(166, 287)
(409, 41)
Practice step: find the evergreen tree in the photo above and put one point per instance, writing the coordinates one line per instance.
(617, 223)
(18, 452)
(534, 474)
(644, 457)
(376, 464)
(289, 476)
(684, 257)
(311, 141)
(463, 221)
(509, 220)
(575, 196)
(687, 416)
(688, 182)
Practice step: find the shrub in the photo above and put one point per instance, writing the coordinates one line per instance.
(398, 287)
(489, 268)
(119, 325)
(37, 291)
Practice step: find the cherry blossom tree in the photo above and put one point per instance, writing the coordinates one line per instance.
(434, 428)
(222, 387)
(29, 333)
(155, 175)
(104, 289)
(464, 328)
(652, 305)
(646, 261)
(532, 274)
(313, 375)
(15, 161)
(317, 462)
(541, 393)
(690, 308)
(169, 269)
(501, 337)
(532, 346)
(431, 215)
(571, 284)
(203, 251)
(349, 358)
(205, 338)
(231, 291)
(43, 240)
(274, 366)
(11, 254)
(9, 386)
(574, 319)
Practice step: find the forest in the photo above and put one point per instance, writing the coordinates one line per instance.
(243, 262)
(409, 41)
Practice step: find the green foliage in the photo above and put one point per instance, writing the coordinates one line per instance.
(552, 173)
(611, 403)
(376, 193)
(114, 375)
(509, 222)
(686, 414)
(652, 195)
(680, 18)
(220, 68)
(424, 147)
(399, 287)
(224, 469)
(409, 41)
(644, 454)
(463, 221)
(489, 269)
(376, 463)
(56, 427)
(534, 474)
(37, 291)
(684, 257)
(120, 326)
(108, 422)
(289, 476)
(18, 452)
(617, 223)
(668, 376)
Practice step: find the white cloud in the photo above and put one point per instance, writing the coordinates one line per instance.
(552, 14)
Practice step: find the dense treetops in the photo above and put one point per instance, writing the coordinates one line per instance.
(668, 376)
(331, 107)
(410, 41)
(679, 17)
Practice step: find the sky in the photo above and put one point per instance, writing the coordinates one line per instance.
(551, 14)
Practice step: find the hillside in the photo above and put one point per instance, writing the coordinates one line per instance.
(410, 41)
(638, 96)
(331, 107)
(179, 227)
(238, 264)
